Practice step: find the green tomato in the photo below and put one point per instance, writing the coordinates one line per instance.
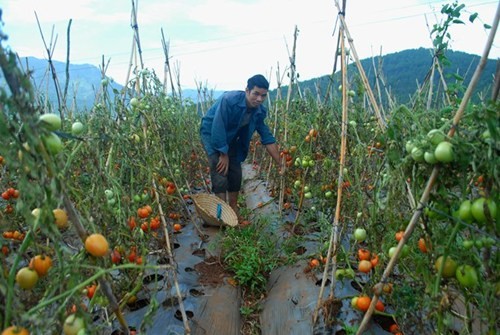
(26, 278)
(478, 209)
(467, 276)
(311, 163)
(53, 143)
(392, 251)
(405, 251)
(134, 102)
(467, 244)
(360, 234)
(297, 183)
(409, 146)
(137, 198)
(354, 303)
(328, 194)
(136, 138)
(486, 135)
(353, 123)
(349, 273)
(109, 194)
(444, 152)
(308, 195)
(51, 121)
(488, 242)
(417, 154)
(430, 158)
(351, 93)
(464, 211)
(436, 136)
(307, 188)
(73, 324)
(77, 128)
(339, 273)
(450, 266)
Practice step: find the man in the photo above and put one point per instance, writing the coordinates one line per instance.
(226, 131)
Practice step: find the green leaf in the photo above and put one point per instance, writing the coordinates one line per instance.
(458, 77)
(473, 17)
(457, 21)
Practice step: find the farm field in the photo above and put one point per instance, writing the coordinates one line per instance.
(384, 219)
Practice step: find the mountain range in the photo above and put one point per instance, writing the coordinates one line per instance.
(402, 72)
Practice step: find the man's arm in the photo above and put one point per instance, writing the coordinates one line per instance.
(273, 150)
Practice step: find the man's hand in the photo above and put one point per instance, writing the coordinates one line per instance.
(223, 164)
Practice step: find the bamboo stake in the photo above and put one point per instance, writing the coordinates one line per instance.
(334, 236)
(380, 118)
(167, 241)
(50, 50)
(433, 176)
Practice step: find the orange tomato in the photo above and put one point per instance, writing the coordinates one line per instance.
(171, 190)
(399, 235)
(131, 222)
(177, 227)
(9, 209)
(138, 260)
(8, 234)
(143, 212)
(91, 290)
(363, 303)
(394, 328)
(387, 288)
(363, 254)
(155, 223)
(374, 260)
(313, 263)
(15, 330)
(116, 257)
(379, 306)
(422, 246)
(41, 264)
(365, 266)
(96, 245)
(132, 255)
(145, 227)
(61, 218)
(6, 195)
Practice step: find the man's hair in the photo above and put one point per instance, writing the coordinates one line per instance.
(258, 80)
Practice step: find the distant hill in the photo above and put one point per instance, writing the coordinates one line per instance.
(84, 82)
(404, 71)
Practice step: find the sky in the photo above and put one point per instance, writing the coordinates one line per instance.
(219, 44)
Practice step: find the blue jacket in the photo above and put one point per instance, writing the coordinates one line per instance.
(220, 125)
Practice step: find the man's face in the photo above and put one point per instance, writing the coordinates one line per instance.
(255, 96)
